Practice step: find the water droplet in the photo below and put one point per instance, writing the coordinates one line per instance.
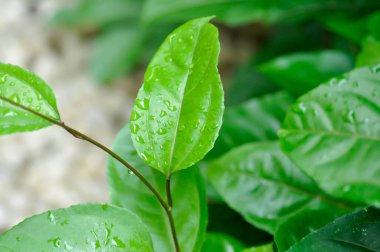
(144, 156)
(349, 117)
(375, 69)
(29, 100)
(135, 128)
(172, 108)
(56, 242)
(135, 115)
(3, 78)
(342, 82)
(355, 84)
(18, 238)
(300, 108)
(12, 84)
(142, 103)
(215, 126)
(139, 139)
(116, 241)
(15, 98)
(161, 131)
(51, 217)
(130, 172)
(163, 113)
(104, 207)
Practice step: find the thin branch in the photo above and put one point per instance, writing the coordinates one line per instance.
(84, 137)
(170, 215)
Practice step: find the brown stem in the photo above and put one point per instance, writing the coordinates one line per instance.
(170, 215)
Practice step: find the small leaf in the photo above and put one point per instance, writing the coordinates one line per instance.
(87, 227)
(358, 231)
(263, 248)
(258, 119)
(333, 134)
(301, 72)
(116, 52)
(178, 111)
(27, 89)
(221, 243)
(188, 193)
(260, 182)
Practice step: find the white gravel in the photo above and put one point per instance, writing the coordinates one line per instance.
(50, 169)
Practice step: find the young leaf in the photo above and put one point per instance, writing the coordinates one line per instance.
(301, 72)
(333, 134)
(258, 119)
(259, 181)
(115, 52)
(358, 231)
(27, 89)
(178, 110)
(87, 227)
(221, 243)
(188, 193)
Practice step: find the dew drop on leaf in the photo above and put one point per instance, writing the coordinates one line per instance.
(142, 104)
(135, 116)
(135, 128)
(375, 69)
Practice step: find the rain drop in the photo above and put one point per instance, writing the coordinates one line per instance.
(130, 172)
(135, 116)
(163, 113)
(135, 128)
(139, 139)
(142, 103)
(161, 131)
(349, 117)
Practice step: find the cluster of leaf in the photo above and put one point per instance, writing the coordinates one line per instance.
(300, 163)
(130, 31)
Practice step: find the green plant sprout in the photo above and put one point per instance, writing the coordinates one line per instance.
(316, 188)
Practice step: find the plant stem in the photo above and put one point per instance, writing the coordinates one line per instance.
(170, 215)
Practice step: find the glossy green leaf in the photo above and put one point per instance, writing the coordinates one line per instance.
(265, 187)
(188, 193)
(88, 13)
(27, 89)
(178, 111)
(258, 119)
(356, 232)
(87, 227)
(263, 248)
(301, 72)
(370, 53)
(333, 134)
(115, 52)
(292, 230)
(221, 243)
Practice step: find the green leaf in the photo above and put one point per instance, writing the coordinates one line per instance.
(29, 90)
(116, 52)
(259, 181)
(87, 227)
(178, 111)
(370, 53)
(88, 13)
(301, 72)
(358, 231)
(258, 119)
(332, 133)
(263, 248)
(294, 229)
(188, 193)
(221, 243)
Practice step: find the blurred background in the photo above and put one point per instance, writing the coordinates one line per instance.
(94, 53)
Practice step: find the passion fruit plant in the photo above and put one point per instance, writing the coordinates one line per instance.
(314, 189)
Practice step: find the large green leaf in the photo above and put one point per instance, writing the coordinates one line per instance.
(88, 13)
(333, 134)
(89, 227)
(236, 12)
(27, 89)
(178, 111)
(258, 119)
(355, 232)
(189, 198)
(221, 243)
(300, 72)
(261, 183)
(116, 52)
(292, 230)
